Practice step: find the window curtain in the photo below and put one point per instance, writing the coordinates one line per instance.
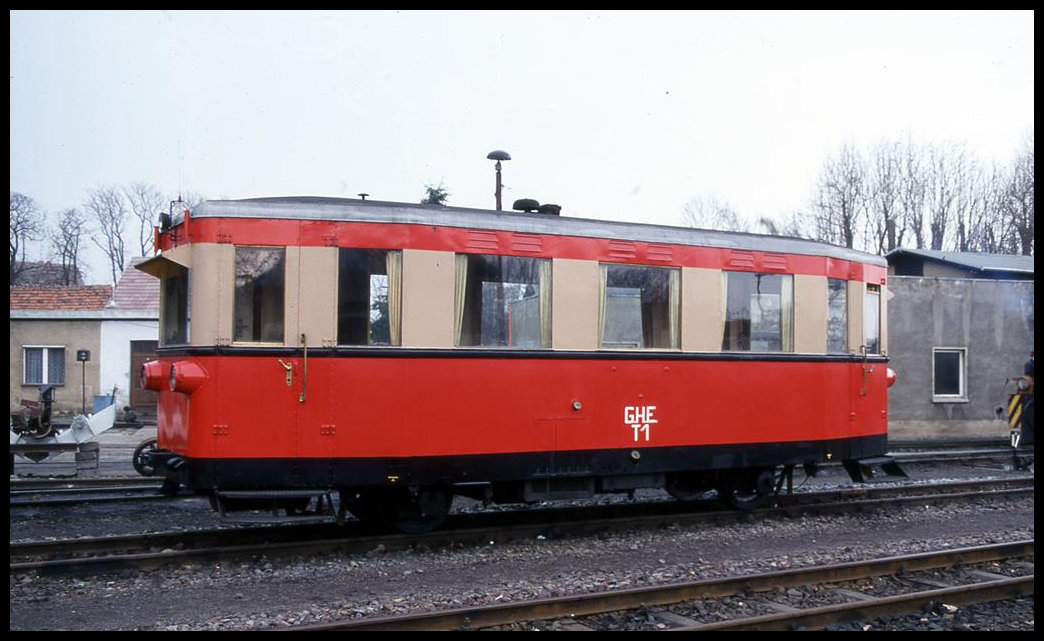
(603, 276)
(545, 303)
(726, 344)
(787, 310)
(393, 263)
(33, 357)
(460, 291)
(872, 320)
(56, 365)
(674, 308)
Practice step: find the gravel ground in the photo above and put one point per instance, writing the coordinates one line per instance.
(271, 593)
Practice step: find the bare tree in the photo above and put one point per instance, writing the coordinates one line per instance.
(769, 225)
(109, 211)
(883, 213)
(192, 199)
(797, 224)
(982, 228)
(840, 200)
(1016, 200)
(935, 196)
(707, 212)
(145, 203)
(27, 223)
(65, 242)
(947, 172)
(188, 200)
(912, 193)
(981, 225)
(967, 210)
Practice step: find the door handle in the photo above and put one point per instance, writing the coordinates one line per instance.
(289, 372)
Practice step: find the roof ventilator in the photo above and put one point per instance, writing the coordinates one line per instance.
(529, 206)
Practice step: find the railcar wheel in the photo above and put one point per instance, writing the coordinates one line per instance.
(687, 487)
(364, 506)
(417, 512)
(142, 458)
(746, 490)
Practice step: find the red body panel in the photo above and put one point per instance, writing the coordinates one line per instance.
(279, 232)
(376, 406)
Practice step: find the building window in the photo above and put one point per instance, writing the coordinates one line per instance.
(759, 312)
(640, 307)
(369, 297)
(259, 293)
(872, 319)
(43, 365)
(502, 301)
(949, 374)
(176, 308)
(837, 316)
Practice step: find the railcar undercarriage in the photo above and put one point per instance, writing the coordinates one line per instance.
(416, 509)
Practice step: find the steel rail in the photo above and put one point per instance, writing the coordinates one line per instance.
(902, 450)
(63, 487)
(812, 618)
(74, 483)
(617, 600)
(353, 537)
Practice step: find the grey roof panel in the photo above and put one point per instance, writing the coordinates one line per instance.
(973, 260)
(347, 209)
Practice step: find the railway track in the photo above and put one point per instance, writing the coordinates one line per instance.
(960, 450)
(67, 492)
(34, 484)
(148, 551)
(979, 574)
(34, 492)
(898, 445)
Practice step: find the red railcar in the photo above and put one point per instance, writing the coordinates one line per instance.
(400, 354)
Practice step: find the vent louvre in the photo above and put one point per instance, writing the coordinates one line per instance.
(526, 243)
(482, 241)
(622, 249)
(774, 262)
(661, 253)
(741, 259)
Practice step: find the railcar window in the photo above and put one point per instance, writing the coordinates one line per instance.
(368, 297)
(872, 319)
(759, 312)
(640, 307)
(837, 315)
(176, 308)
(502, 301)
(259, 293)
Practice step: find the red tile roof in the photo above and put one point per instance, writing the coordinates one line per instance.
(83, 298)
(136, 289)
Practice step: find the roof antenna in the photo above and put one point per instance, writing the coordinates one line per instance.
(180, 185)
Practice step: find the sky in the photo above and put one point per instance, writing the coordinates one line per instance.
(616, 115)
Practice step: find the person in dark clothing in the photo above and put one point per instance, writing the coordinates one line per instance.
(129, 416)
(1026, 426)
(1027, 416)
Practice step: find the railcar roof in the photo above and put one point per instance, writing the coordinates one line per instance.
(354, 210)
